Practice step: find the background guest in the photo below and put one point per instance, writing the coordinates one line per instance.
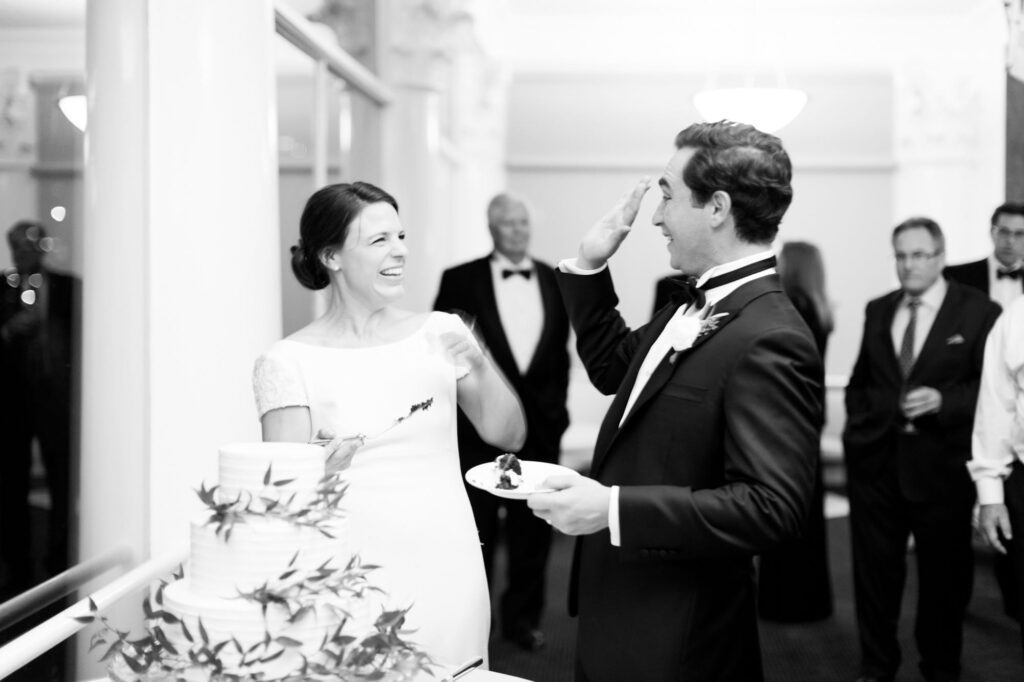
(794, 583)
(998, 444)
(1001, 277)
(38, 337)
(910, 404)
(519, 316)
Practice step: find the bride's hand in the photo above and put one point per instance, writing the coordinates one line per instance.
(462, 350)
(339, 450)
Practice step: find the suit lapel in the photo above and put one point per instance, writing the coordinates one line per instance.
(884, 333)
(490, 321)
(942, 327)
(610, 425)
(549, 298)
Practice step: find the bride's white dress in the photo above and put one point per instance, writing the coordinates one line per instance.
(406, 504)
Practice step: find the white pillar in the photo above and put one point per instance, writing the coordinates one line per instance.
(181, 275)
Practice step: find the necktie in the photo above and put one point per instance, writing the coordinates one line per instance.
(505, 274)
(1012, 273)
(689, 292)
(907, 347)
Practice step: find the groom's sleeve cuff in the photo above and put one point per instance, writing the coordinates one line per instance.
(613, 517)
(569, 265)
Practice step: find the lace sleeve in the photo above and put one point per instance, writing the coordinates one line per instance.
(277, 382)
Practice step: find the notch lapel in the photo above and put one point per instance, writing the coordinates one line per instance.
(943, 326)
(610, 425)
(490, 322)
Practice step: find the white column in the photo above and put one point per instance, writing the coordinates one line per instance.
(181, 252)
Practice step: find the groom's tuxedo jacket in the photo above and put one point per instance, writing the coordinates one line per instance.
(543, 387)
(716, 463)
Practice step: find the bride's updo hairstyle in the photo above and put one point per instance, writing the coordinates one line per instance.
(324, 224)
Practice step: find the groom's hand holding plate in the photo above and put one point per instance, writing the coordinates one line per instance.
(576, 505)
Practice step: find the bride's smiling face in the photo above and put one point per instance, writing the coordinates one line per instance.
(372, 259)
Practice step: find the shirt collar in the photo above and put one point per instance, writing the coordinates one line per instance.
(501, 262)
(933, 295)
(995, 266)
(723, 268)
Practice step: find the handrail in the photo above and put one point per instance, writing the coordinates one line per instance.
(294, 28)
(18, 652)
(39, 597)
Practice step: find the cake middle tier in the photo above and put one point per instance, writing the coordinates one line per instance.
(258, 550)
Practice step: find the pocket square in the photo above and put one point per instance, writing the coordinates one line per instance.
(955, 339)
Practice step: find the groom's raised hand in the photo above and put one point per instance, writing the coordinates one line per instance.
(578, 506)
(603, 239)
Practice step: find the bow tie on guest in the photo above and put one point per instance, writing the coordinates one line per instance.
(505, 274)
(688, 292)
(1012, 273)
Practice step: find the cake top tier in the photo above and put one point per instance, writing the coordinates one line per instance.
(293, 468)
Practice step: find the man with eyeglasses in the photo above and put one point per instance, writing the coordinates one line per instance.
(1001, 277)
(910, 406)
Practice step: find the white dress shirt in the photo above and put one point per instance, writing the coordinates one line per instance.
(998, 437)
(931, 301)
(663, 344)
(520, 308)
(1003, 291)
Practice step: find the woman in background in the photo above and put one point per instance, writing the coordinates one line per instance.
(794, 581)
(387, 383)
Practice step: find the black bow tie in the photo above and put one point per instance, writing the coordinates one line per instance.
(1012, 273)
(505, 274)
(688, 292)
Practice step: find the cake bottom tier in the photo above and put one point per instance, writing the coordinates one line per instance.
(269, 643)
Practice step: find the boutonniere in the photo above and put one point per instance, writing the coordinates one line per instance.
(683, 332)
(710, 325)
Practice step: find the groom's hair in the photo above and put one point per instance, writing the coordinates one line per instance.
(748, 165)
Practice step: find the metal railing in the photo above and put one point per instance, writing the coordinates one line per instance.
(39, 597)
(19, 652)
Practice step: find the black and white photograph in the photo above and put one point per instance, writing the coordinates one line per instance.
(512, 340)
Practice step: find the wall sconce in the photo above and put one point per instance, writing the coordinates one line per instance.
(75, 109)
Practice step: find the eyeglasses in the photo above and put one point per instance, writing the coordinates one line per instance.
(1007, 233)
(915, 257)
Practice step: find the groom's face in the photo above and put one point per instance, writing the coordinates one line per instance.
(687, 227)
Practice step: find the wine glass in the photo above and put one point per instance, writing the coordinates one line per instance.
(908, 422)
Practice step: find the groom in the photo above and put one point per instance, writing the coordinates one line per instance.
(706, 456)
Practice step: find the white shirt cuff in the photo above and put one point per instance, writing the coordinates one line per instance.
(613, 517)
(569, 265)
(990, 490)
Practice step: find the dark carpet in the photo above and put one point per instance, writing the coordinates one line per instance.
(823, 651)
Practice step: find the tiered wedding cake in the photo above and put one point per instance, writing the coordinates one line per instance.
(270, 529)
(271, 590)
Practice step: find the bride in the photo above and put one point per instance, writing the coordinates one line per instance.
(383, 385)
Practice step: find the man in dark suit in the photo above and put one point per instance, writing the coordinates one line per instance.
(706, 456)
(1001, 278)
(1001, 275)
(514, 302)
(38, 308)
(910, 406)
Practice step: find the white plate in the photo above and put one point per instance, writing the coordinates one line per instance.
(485, 477)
